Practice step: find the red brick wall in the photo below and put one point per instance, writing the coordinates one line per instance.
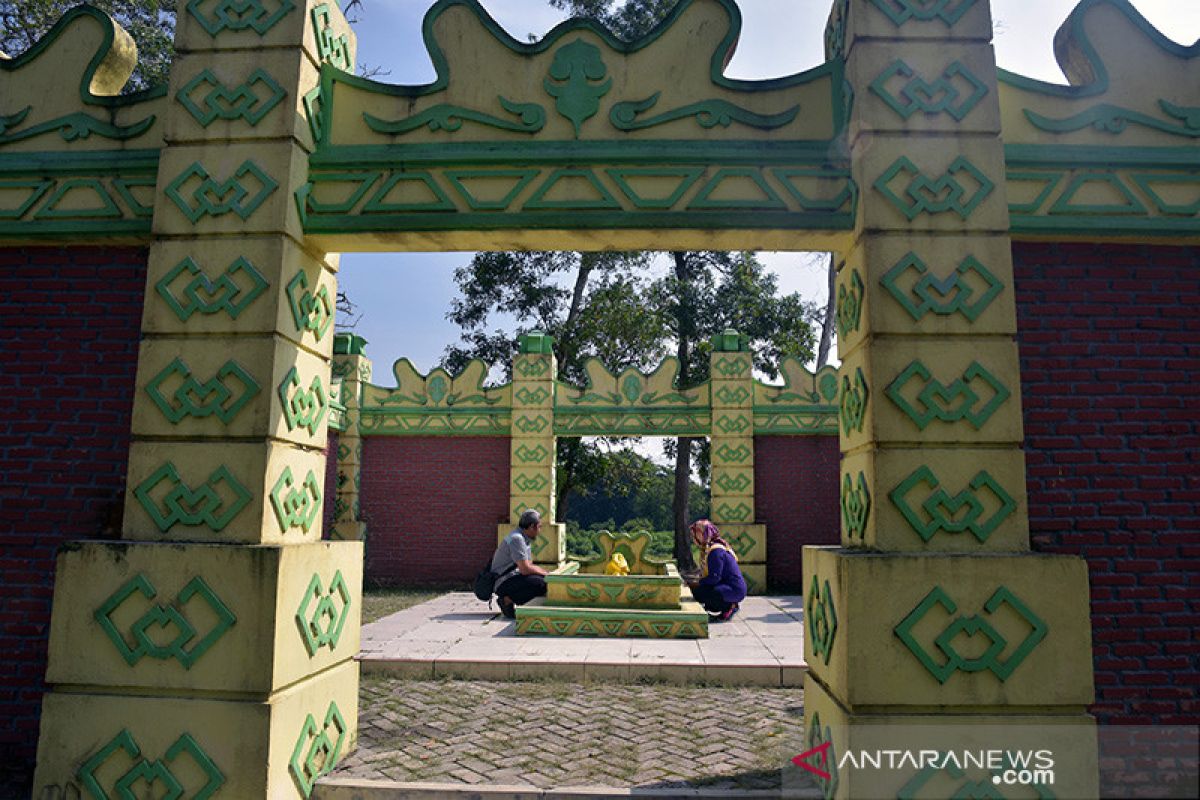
(69, 328)
(796, 495)
(432, 505)
(1110, 363)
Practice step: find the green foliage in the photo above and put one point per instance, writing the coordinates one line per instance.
(151, 23)
(628, 20)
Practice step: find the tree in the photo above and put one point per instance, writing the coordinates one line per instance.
(151, 23)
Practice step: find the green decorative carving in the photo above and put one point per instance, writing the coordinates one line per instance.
(319, 748)
(846, 197)
(531, 397)
(531, 424)
(979, 509)
(216, 16)
(1185, 122)
(573, 81)
(439, 201)
(151, 772)
(821, 740)
(310, 312)
(185, 647)
(727, 512)
(601, 197)
(534, 455)
(214, 503)
(736, 454)
(732, 396)
(687, 178)
(733, 484)
(854, 401)
(990, 659)
(940, 96)
(955, 294)
(856, 505)
(631, 422)
(822, 619)
(228, 293)
(71, 127)
(520, 178)
(707, 113)
(331, 49)
(731, 366)
(207, 197)
(924, 195)
(449, 118)
(849, 305)
(948, 403)
(769, 199)
(632, 389)
(1129, 203)
(733, 424)
(240, 102)
(106, 208)
(296, 506)
(530, 483)
(322, 625)
(190, 398)
(901, 11)
(302, 408)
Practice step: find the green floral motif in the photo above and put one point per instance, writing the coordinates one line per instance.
(940, 96)
(187, 646)
(216, 16)
(296, 506)
(311, 312)
(978, 509)
(1185, 121)
(901, 11)
(573, 81)
(240, 102)
(303, 408)
(972, 626)
(449, 118)
(150, 772)
(232, 292)
(951, 402)
(822, 619)
(190, 398)
(214, 504)
(320, 749)
(197, 194)
(708, 114)
(322, 625)
(920, 194)
(71, 127)
(955, 294)
(856, 505)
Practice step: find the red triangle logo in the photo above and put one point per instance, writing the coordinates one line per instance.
(823, 751)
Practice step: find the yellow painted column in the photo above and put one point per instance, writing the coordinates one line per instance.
(533, 457)
(933, 617)
(210, 652)
(732, 448)
(354, 368)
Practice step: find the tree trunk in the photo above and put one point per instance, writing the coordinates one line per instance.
(830, 317)
(567, 349)
(686, 329)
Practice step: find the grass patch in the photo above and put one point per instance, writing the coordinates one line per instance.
(378, 603)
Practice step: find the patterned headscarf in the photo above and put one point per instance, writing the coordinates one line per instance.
(711, 538)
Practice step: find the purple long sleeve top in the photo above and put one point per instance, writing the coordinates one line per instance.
(724, 576)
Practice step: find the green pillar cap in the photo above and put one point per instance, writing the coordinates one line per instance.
(730, 341)
(535, 342)
(348, 344)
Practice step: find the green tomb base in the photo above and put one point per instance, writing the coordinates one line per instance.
(538, 618)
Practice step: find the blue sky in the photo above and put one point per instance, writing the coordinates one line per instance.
(403, 297)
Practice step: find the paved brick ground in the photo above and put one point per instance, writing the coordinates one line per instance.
(551, 734)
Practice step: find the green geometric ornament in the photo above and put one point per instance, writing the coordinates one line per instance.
(240, 102)
(932, 98)
(856, 505)
(321, 751)
(854, 401)
(920, 194)
(296, 506)
(302, 409)
(310, 312)
(952, 295)
(948, 402)
(150, 772)
(822, 619)
(323, 624)
(849, 305)
(969, 510)
(821, 739)
(210, 297)
(216, 16)
(901, 11)
(199, 400)
(331, 49)
(202, 506)
(209, 197)
(185, 647)
(971, 626)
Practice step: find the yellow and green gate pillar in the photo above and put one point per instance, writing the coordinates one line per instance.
(934, 616)
(732, 447)
(211, 650)
(352, 366)
(533, 458)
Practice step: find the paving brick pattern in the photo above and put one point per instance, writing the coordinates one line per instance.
(554, 734)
